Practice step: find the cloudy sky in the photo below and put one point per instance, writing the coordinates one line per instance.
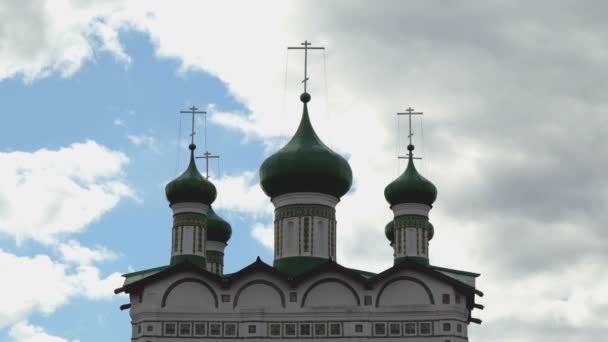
(513, 92)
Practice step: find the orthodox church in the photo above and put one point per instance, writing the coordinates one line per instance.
(305, 295)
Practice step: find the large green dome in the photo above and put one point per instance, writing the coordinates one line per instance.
(217, 228)
(305, 164)
(410, 187)
(191, 186)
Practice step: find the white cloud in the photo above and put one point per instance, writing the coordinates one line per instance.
(73, 251)
(144, 140)
(25, 332)
(25, 293)
(49, 193)
(119, 122)
(242, 194)
(264, 234)
(39, 38)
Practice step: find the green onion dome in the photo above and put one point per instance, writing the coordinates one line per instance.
(217, 228)
(191, 186)
(389, 231)
(430, 230)
(410, 187)
(305, 164)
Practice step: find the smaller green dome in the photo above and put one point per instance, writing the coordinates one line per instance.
(430, 230)
(191, 186)
(410, 187)
(217, 228)
(389, 231)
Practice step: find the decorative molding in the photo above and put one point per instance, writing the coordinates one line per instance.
(305, 198)
(188, 280)
(189, 219)
(304, 210)
(411, 209)
(190, 207)
(215, 246)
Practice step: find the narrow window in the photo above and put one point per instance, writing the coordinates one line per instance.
(251, 328)
(335, 329)
(306, 234)
(459, 327)
(367, 300)
(185, 329)
(425, 328)
(229, 329)
(290, 329)
(394, 329)
(275, 330)
(410, 328)
(305, 329)
(379, 329)
(320, 329)
(447, 327)
(293, 296)
(215, 329)
(225, 298)
(458, 299)
(445, 299)
(170, 329)
(359, 328)
(200, 329)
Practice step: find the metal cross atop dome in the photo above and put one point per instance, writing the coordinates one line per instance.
(192, 110)
(306, 47)
(207, 156)
(409, 112)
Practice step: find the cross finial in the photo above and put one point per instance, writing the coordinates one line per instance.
(306, 47)
(192, 110)
(409, 113)
(207, 156)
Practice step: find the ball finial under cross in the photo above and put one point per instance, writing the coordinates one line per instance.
(305, 97)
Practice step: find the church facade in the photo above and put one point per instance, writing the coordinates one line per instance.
(305, 295)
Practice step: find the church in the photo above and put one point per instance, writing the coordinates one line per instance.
(305, 295)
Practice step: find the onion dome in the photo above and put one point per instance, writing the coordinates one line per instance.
(305, 164)
(389, 231)
(191, 186)
(410, 187)
(217, 228)
(430, 230)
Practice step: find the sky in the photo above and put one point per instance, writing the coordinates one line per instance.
(513, 95)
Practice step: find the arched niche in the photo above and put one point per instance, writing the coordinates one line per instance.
(330, 292)
(404, 291)
(189, 294)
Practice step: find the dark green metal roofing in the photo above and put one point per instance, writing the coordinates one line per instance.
(410, 187)
(217, 228)
(389, 231)
(191, 186)
(305, 164)
(430, 230)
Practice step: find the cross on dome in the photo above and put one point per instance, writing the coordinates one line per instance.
(306, 47)
(192, 110)
(409, 112)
